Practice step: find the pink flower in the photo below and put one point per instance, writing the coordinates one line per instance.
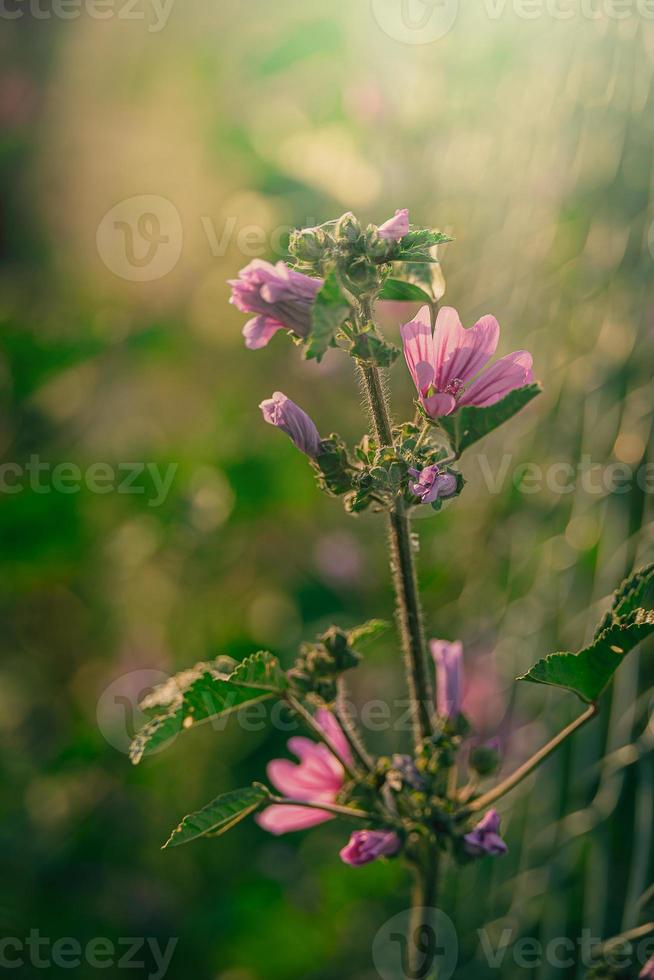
(430, 484)
(368, 845)
(294, 421)
(485, 838)
(447, 368)
(647, 972)
(397, 226)
(318, 778)
(281, 298)
(448, 660)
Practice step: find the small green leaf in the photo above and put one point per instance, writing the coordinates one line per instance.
(400, 291)
(203, 693)
(367, 631)
(374, 350)
(426, 276)
(416, 246)
(330, 310)
(219, 816)
(588, 672)
(469, 423)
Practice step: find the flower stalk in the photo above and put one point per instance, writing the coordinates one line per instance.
(409, 611)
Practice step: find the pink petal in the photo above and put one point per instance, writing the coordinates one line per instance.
(318, 762)
(259, 330)
(511, 371)
(437, 405)
(475, 347)
(333, 730)
(280, 819)
(419, 349)
(449, 335)
(302, 782)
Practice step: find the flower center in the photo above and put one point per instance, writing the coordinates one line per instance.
(454, 387)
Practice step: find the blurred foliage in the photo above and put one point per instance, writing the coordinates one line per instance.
(530, 141)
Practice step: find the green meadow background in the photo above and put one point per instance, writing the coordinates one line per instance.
(530, 140)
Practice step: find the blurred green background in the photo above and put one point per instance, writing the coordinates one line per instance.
(530, 140)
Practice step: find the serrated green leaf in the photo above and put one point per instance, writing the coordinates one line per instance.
(417, 246)
(588, 672)
(469, 423)
(630, 596)
(626, 624)
(219, 816)
(204, 693)
(367, 631)
(401, 292)
(330, 309)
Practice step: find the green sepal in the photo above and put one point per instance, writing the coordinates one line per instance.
(330, 310)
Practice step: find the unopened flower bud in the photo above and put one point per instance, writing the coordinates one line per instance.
(348, 229)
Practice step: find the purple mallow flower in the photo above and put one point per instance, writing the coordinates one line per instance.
(449, 367)
(448, 660)
(281, 298)
(485, 838)
(368, 845)
(647, 972)
(397, 226)
(430, 484)
(291, 419)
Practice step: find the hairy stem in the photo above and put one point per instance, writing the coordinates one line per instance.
(345, 720)
(423, 899)
(528, 767)
(409, 612)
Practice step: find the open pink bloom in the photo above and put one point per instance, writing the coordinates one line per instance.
(448, 660)
(448, 367)
(647, 972)
(293, 420)
(368, 845)
(429, 484)
(397, 226)
(281, 298)
(485, 838)
(318, 778)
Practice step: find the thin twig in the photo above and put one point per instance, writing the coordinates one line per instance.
(311, 723)
(341, 811)
(508, 784)
(350, 731)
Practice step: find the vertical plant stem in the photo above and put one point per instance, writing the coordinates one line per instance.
(409, 612)
(345, 720)
(423, 899)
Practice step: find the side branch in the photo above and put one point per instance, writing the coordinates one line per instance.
(528, 767)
